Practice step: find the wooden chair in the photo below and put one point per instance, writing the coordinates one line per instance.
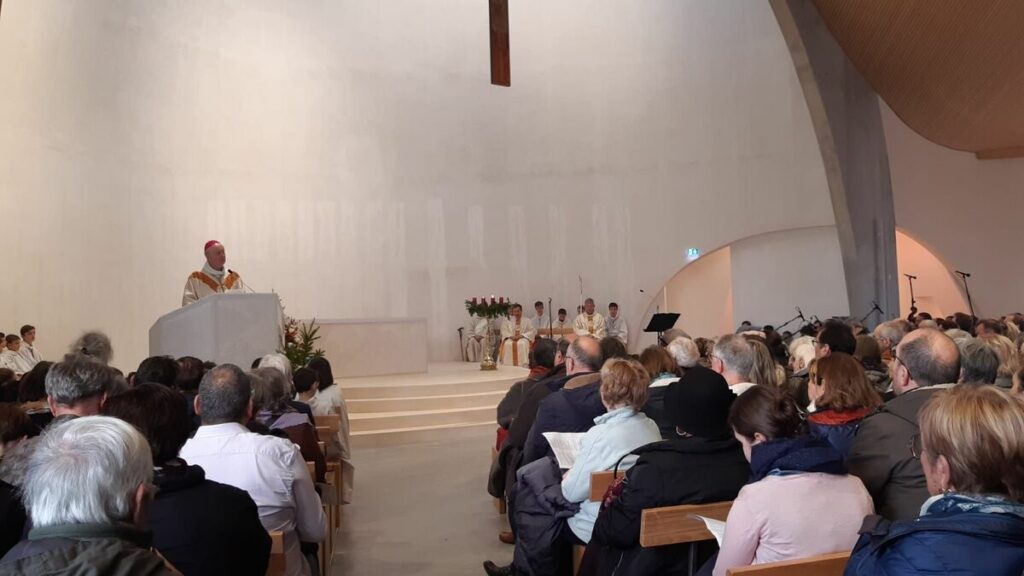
(311, 466)
(821, 565)
(278, 564)
(330, 421)
(680, 525)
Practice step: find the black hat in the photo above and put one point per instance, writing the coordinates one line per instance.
(699, 403)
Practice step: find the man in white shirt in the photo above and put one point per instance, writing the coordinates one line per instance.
(733, 358)
(12, 359)
(589, 322)
(270, 469)
(616, 324)
(28, 349)
(541, 320)
(561, 324)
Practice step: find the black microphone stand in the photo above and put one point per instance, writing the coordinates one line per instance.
(964, 276)
(913, 301)
(551, 319)
(874, 308)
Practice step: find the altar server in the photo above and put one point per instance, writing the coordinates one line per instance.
(214, 278)
(541, 320)
(616, 324)
(517, 334)
(589, 322)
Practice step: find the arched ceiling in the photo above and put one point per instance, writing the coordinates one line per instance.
(952, 70)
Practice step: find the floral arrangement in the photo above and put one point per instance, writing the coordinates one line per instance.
(299, 342)
(492, 308)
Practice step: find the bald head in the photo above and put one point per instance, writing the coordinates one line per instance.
(584, 355)
(925, 357)
(225, 395)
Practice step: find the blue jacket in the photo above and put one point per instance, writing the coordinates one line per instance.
(949, 543)
(836, 428)
(571, 409)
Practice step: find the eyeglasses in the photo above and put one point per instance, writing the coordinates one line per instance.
(899, 360)
(915, 446)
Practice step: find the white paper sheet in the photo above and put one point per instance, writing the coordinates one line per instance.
(565, 445)
(716, 527)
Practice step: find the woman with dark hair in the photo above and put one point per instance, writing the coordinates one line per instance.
(202, 527)
(701, 463)
(842, 396)
(796, 482)
(971, 446)
(330, 400)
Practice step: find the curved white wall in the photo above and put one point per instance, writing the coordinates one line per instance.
(354, 158)
(967, 211)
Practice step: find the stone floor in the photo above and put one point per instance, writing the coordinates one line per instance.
(421, 510)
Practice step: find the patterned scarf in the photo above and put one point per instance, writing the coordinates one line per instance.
(956, 502)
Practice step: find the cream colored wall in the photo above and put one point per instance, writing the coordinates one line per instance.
(936, 290)
(353, 157)
(967, 211)
(702, 293)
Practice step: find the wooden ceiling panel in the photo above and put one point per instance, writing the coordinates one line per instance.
(953, 70)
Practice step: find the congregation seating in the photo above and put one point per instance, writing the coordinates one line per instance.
(277, 566)
(822, 565)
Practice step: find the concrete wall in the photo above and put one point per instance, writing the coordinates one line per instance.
(353, 157)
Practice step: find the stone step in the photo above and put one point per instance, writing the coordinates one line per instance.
(375, 421)
(414, 403)
(418, 434)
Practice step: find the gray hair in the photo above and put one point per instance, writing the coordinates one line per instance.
(78, 378)
(893, 330)
(270, 390)
(978, 361)
(279, 361)
(224, 394)
(736, 354)
(578, 354)
(95, 345)
(673, 333)
(684, 351)
(86, 471)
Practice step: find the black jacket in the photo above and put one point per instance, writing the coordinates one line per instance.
(571, 409)
(84, 550)
(206, 528)
(12, 517)
(668, 473)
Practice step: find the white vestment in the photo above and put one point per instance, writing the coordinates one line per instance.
(477, 327)
(30, 354)
(590, 325)
(515, 342)
(15, 362)
(561, 325)
(541, 324)
(617, 328)
(209, 281)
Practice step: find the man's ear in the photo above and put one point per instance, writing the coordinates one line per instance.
(103, 400)
(51, 403)
(197, 405)
(140, 505)
(248, 410)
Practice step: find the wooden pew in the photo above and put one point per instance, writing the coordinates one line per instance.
(677, 524)
(600, 481)
(330, 421)
(821, 565)
(277, 565)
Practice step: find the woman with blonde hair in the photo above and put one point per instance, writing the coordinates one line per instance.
(1009, 357)
(971, 446)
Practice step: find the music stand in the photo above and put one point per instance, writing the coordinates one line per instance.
(662, 323)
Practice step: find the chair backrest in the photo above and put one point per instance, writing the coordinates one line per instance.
(331, 421)
(322, 447)
(679, 524)
(821, 565)
(277, 565)
(322, 431)
(600, 481)
(312, 470)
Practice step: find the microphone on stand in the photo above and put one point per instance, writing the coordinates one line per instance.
(800, 313)
(245, 287)
(964, 274)
(911, 276)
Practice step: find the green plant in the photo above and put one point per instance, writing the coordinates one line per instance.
(300, 342)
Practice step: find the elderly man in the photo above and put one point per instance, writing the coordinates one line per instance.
(87, 490)
(214, 278)
(733, 358)
(517, 335)
(78, 386)
(924, 362)
(270, 469)
(979, 363)
(889, 334)
(589, 322)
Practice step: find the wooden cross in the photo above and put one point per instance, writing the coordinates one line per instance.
(501, 68)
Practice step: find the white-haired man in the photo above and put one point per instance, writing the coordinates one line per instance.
(87, 490)
(214, 278)
(733, 358)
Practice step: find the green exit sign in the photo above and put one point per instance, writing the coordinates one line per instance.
(692, 253)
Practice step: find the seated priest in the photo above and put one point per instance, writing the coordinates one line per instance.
(517, 334)
(214, 278)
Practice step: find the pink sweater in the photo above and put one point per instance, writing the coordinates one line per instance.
(789, 517)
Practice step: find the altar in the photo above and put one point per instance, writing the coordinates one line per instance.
(374, 346)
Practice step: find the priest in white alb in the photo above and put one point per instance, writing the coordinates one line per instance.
(616, 324)
(589, 322)
(214, 278)
(476, 331)
(517, 334)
